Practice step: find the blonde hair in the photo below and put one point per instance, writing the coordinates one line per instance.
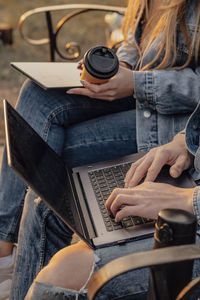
(162, 22)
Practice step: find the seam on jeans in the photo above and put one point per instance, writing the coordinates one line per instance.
(19, 211)
(51, 116)
(62, 108)
(43, 240)
(10, 237)
(103, 141)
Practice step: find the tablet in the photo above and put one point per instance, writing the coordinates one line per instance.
(51, 75)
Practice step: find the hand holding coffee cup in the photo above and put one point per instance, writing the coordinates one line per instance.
(99, 65)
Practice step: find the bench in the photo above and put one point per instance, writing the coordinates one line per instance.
(72, 49)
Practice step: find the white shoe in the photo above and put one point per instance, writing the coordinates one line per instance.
(6, 278)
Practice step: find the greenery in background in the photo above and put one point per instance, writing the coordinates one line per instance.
(87, 30)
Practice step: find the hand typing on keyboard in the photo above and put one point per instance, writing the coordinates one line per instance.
(174, 154)
(147, 199)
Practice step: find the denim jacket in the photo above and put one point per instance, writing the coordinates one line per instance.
(193, 144)
(164, 98)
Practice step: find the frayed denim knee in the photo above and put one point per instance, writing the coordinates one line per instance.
(43, 291)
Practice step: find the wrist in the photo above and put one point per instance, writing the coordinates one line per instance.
(189, 202)
(125, 65)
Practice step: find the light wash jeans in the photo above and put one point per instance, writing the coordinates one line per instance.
(132, 285)
(82, 131)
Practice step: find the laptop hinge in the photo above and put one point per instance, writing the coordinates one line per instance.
(84, 208)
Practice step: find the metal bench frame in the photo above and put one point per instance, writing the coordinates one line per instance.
(51, 40)
(152, 258)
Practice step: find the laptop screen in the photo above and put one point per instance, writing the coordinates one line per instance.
(42, 169)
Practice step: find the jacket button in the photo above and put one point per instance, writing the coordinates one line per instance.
(195, 127)
(147, 114)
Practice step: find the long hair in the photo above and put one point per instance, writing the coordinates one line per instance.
(160, 20)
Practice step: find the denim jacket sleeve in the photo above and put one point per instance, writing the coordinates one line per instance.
(168, 91)
(129, 54)
(196, 203)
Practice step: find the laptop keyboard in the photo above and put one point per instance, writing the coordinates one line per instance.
(103, 182)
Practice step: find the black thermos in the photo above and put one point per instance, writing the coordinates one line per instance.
(173, 227)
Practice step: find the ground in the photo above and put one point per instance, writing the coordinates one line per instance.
(82, 29)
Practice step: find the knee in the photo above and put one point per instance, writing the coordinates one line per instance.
(29, 94)
(26, 90)
(69, 268)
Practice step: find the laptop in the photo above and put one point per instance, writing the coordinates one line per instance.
(51, 75)
(77, 195)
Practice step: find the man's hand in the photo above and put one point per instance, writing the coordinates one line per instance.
(174, 154)
(147, 199)
(120, 86)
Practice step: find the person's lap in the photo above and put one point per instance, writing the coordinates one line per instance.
(51, 112)
(104, 138)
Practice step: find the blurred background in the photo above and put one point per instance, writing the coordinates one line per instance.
(87, 30)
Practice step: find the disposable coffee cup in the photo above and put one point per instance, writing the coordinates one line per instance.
(99, 65)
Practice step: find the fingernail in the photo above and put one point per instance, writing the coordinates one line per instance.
(82, 82)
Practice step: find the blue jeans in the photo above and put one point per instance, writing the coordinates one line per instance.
(82, 131)
(132, 285)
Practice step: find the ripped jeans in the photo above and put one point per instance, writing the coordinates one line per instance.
(129, 286)
(132, 285)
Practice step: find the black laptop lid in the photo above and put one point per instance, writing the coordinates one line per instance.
(42, 169)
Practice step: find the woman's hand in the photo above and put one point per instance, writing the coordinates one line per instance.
(120, 86)
(174, 154)
(147, 199)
